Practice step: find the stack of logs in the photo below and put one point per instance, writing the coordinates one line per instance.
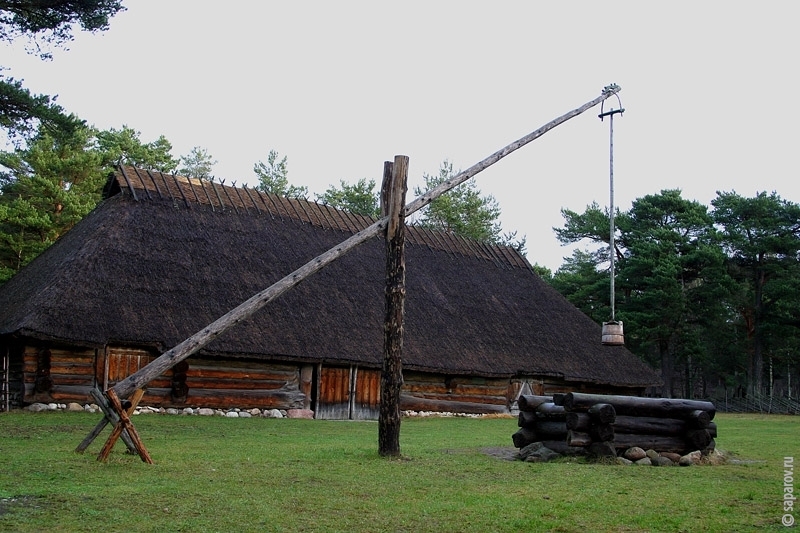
(601, 425)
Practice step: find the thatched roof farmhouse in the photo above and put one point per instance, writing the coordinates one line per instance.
(162, 256)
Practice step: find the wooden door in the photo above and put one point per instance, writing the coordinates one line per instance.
(348, 393)
(122, 362)
(333, 393)
(366, 403)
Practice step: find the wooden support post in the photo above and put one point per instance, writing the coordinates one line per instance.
(393, 198)
(124, 424)
(109, 417)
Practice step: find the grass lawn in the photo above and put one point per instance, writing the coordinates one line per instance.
(223, 474)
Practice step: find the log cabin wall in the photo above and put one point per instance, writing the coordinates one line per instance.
(226, 383)
(456, 394)
(15, 386)
(213, 383)
(57, 374)
(51, 373)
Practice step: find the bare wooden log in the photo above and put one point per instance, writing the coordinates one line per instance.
(698, 419)
(526, 419)
(659, 443)
(563, 448)
(392, 372)
(550, 429)
(92, 435)
(551, 410)
(200, 339)
(668, 427)
(523, 437)
(529, 402)
(558, 398)
(602, 432)
(577, 438)
(414, 403)
(699, 439)
(603, 413)
(644, 425)
(578, 421)
(636, 406)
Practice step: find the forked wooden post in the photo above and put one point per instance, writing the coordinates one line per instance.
(196, 342)
(124, 424)
(393, 198)
(110, 417)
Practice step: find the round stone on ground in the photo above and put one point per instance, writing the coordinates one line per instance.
(634, 454)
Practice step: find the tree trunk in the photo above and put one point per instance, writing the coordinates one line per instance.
(666, 369)
(757, 364)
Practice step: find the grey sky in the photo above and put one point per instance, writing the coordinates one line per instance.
(340, 87)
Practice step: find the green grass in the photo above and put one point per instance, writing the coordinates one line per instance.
(221, 474)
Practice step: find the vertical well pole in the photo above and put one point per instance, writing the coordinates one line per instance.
(611, 209)
(612, 330)
(393, 199)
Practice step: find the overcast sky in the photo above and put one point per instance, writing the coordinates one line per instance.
(708, 88)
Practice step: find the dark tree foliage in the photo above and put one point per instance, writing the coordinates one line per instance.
(667, 244)
(46, 24)
(584, 284)
(46, 189)
(709, 296)
(761, 236)
(54, 181)
(22, 112)
(360, 198)
(51, 22)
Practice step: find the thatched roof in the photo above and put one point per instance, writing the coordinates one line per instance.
(163, 256)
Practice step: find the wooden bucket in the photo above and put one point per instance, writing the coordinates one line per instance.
(612, 334)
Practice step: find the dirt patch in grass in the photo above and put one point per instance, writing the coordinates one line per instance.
(508, 453)
(9, 504)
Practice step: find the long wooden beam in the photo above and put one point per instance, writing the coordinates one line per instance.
(200, 339)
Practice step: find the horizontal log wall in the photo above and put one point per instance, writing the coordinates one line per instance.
(223, 383)
(462, 394)
(52, 374)
(71, 373)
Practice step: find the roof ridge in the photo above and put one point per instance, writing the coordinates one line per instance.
(152, 185)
